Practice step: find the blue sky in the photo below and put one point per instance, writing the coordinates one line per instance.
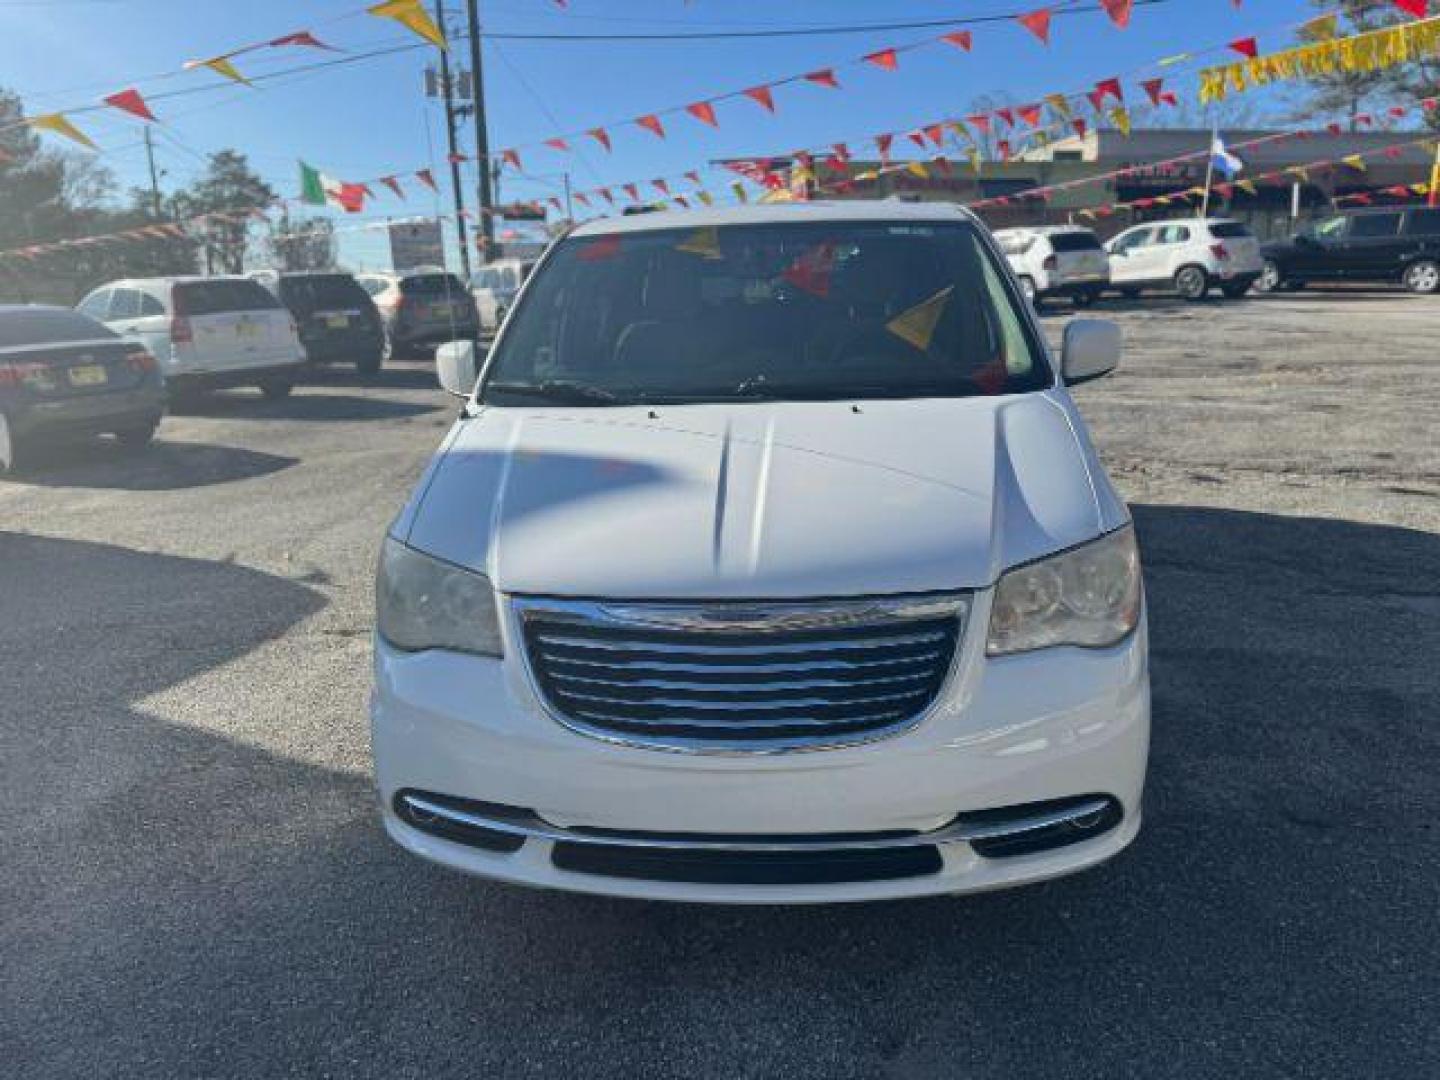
(369, 118)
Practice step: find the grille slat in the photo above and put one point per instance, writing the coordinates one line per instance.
(742, 676)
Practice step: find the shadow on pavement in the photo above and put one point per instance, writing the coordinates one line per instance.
(304, 404)
(178, 904)
(161, 466)
(396, 375)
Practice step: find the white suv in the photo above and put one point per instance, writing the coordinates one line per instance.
(769, 561)
(206, 332)
(1056, 261)
(1189, 256)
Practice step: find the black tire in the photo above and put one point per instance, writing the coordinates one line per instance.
(1086, 298)
(1271, 279)
(1423, 277)
(1234, 290)
(137, 436)
(370, 363)
(277, 389)
(1192, 283)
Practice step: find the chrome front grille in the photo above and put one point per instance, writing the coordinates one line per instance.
(735, 676)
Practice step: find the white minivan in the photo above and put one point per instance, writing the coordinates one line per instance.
(768, 562)
(206, 332)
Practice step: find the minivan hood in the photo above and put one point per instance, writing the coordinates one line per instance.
(761, 500)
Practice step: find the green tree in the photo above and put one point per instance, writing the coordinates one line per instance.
(298, 245)
(1351, 93)
(227, 192)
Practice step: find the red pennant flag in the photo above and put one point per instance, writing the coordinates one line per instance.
(633, 191)
(131, 102)
(302, 37)
(1169, 98)
(512, 158)
(917, 137)
(842, 152)
(961, 39)
(1364, 118)
(1038, 23)
(682, 202)
(1119, 11)
(702, 111)
(1417, 8)
(1079, 126)
(582, 199)
(885, 58)
(351, 197)
(555, 202)
(558, 143)
(1398, 111)
(981, 122)
(1429, 104)
(1393, 152)
(693, 177)
(1007, 116)
(1362, 198)
(762, 95)
(944, 165)
(1153, 88)
(1003, 146)
(1400, 191)
(882, 143)
(1334, 129)
(936, 134)
(427, 178)
(605, 194)
(824, 77)
(601, 136)
(1029, 113)
(662, 186)
(651, 123)
(1110, 87)
(1247, 47)
(393, 184)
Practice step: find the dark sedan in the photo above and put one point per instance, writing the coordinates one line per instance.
(64, 376)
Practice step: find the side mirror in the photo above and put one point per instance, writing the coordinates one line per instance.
(457, 366)
(1091, 349)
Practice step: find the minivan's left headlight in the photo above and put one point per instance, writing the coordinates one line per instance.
(1088, 596)
(425, 603)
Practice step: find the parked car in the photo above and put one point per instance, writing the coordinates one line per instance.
(1057, 261)
(1376, 245)
(63, 375)
(1190, 256)
(770, 561)
(426, 308)
(336, 317)
(206, 332)
(495, 287)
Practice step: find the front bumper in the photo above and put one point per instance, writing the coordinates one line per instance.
(1030, 729)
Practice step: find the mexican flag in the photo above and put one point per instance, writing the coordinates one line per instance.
(317, 189)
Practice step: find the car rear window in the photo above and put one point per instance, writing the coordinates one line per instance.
(1074, 241)
(1423, 223)
(431, 285)
(787, 312)
(1228, 230)
(317, 292)
(214, 297)
(41, 326)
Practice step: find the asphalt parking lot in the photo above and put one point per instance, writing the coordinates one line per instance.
(193, 881)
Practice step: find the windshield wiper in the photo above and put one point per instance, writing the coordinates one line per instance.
(560, 390)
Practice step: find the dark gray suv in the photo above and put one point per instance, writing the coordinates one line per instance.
(1381, 244)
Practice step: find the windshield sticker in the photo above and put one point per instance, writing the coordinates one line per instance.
(599, 250)
(811, 270)
(703, 242)
(917, 326)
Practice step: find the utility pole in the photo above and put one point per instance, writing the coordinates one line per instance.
(154, 177)
(445, 90)
(482, 134)
(569, 213)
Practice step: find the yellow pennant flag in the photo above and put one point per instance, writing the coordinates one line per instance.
(223, 66)
(1322, 28)
(916, 168)
(1197, 192)
(704, 197)
(1299, 173)
(1060, 105)
(739, 190)
(1121, 116)
(1171, 61)
(1163, 200)
(703, 242)
(57, 123)
(867, 175)
(1247, 185)
(412, 15)
(1355, 161)
(974, 155)
(1089, 215)
(1420, 189)
(917, 326)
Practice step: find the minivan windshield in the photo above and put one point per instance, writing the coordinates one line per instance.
(816, 311)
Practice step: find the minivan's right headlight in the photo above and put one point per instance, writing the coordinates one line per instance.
(1088, 596)
(426, 603)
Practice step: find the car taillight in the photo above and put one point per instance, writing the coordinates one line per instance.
(1220, 251)
(1050, 262)
(140, 361)
(19, 374)
(181, 333)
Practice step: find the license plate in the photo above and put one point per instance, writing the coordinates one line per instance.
(88, 375)
(337, 321)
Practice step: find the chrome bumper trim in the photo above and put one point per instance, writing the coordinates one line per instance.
(532, 827)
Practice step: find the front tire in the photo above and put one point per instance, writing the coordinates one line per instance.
(277, 389)
(1271, 278)
(1192, 283)
(1423, 277)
